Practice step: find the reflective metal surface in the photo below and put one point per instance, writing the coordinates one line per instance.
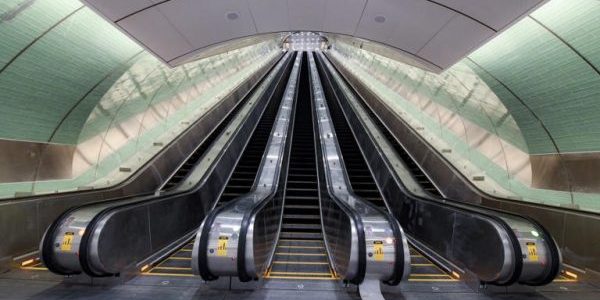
(25, 220)
(104, 239)
(240, 238)
(360, 239)
(498, 247)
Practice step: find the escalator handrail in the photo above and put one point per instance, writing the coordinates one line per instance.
(398, 232)
(250, 215)
(349, 211)
(84, 254)
(470, 208)
(206, 225)
(47, 242)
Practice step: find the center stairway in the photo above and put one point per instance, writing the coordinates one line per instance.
(300, 252)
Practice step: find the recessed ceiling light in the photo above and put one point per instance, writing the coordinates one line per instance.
(380, 19)
(232, 15)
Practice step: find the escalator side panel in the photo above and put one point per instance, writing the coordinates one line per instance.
(88, 227)
(468, 236)
(194, 206)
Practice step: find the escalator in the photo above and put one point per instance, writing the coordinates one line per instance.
(363, 184)
(300, 252)
(177, 177)
(244, 174)
(145, 181)
(240, 182)
(145, 229)
(184, 170)
(416, 171)
(299, 223)
(485, 243)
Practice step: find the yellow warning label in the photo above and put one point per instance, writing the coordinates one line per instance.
(222, 246)
(532, 251)
(378, 250)
(67, 242)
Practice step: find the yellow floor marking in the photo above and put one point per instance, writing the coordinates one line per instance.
(300, 273)
(179, 258)
(302, 247)
(422, 265)
(300, 277)
(564, 280)
(35, 268)
(168, 274)
(186, 250)
(430, 275)
(310, 241)
(172, 268)
(300, 254)
(431, 280)
(299, 263)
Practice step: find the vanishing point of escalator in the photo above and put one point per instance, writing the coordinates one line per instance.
(363, 185)
(300, 252)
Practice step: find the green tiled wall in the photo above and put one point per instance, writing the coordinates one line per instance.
(69, 77)
(53, 53)
(544, 63)
(544, 71)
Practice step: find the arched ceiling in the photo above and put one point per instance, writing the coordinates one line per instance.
(437, 33)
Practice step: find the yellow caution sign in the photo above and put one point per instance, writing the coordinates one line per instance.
(532, 251)
(67, 242)
(222, 246)
(378, 250)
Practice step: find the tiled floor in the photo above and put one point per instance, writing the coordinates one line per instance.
(31, 284)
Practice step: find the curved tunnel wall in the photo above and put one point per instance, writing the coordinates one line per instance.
(518, 116)
(83, 106)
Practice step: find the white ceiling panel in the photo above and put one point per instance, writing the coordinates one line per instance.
(308, 15)
(494, 13)
(342, 16)
(434, 32)
(410, 33)
(207, 22)
(458, 38)
(117, 9)
(270, 15)
(373, 30)
(155, 32)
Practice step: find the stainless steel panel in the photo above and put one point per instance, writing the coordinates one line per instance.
(472, 238)
(146, 180)
(112, 219)
(182, 212)
(351, 226)
(251, 222)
